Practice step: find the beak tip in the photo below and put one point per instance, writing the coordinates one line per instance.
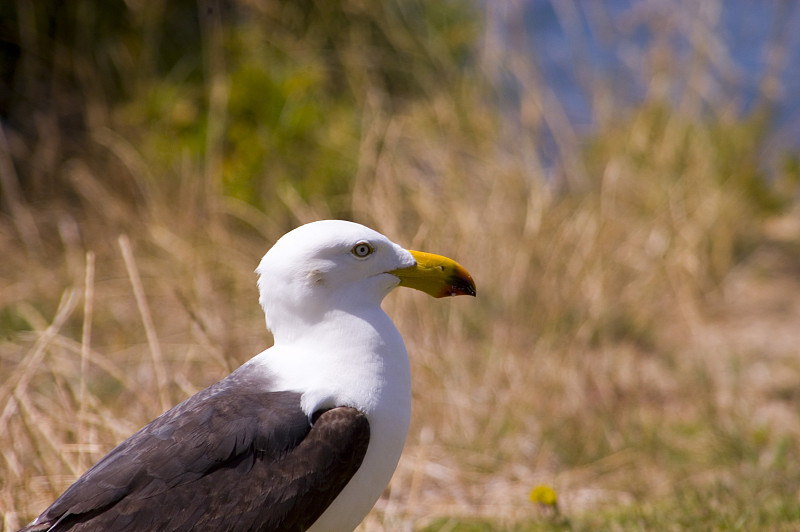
(460, 286)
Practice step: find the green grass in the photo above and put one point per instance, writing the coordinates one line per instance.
(724, 506)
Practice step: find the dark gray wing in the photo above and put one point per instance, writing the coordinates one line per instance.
(229, 458)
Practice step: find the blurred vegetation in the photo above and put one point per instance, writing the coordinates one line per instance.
(602, 355)
(271, 97)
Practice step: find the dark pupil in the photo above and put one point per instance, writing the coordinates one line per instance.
(362, 250)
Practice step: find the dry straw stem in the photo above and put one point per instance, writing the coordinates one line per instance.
(86, 340)
(17, 382)
(147, 320)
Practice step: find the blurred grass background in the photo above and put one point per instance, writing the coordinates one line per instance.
(634, 344)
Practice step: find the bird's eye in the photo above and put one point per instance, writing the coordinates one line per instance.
(362, 249)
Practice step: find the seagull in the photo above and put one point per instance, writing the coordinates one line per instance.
(305, 435)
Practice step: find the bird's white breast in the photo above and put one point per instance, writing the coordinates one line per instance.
(358, 362)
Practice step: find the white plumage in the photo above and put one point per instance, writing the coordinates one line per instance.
(336, 346)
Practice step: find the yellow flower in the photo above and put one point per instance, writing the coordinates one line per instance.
(544, 494)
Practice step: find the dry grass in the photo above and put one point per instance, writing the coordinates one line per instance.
(633, 343)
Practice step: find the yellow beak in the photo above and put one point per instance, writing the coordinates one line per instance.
(436, 275)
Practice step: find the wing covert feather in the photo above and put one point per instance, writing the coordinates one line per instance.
(228, 458)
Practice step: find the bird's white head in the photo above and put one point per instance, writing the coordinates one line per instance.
(338, 265)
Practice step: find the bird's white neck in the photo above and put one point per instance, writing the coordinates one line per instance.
(350, 358)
